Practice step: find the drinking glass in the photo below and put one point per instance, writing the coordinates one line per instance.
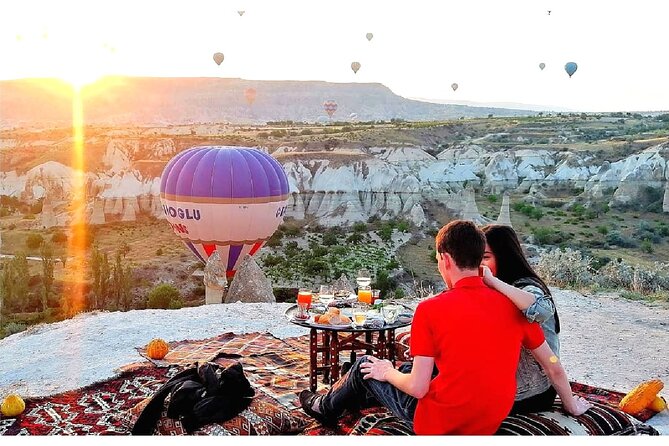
(364, 278)
(359, 315)
(304, 297)
(365, 295)
(390, 312)
(326, 294)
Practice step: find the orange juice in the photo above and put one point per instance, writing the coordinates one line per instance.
(365, 295)
(304, 297)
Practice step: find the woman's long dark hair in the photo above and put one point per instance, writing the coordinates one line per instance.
(511, 262)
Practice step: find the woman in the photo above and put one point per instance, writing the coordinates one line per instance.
(509, 272)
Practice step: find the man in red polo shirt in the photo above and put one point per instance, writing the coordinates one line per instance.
(472, 334)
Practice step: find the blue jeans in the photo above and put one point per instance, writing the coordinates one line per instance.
(352, 391)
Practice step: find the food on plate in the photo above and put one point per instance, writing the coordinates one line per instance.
(332, 317)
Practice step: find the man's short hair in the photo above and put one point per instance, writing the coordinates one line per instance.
(463, 241)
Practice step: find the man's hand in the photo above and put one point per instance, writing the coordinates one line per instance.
(375, 368)
(578, 406)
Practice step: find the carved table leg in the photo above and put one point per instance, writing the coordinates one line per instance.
(313, 356)
(334, 357)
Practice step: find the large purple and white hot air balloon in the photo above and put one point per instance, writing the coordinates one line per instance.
(225, 199)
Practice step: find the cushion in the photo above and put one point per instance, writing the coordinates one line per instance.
(600, 420)
(264, 416)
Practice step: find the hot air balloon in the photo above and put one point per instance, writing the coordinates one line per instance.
(330, 107)
(218, 58)
(454, 86)
(542, 65)
(353, 116)
(224, 199)
(241, 13)
(250, 95)
(369, 36)
(570, 68)
(355, 66)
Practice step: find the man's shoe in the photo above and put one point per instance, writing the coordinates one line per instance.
(307, 398)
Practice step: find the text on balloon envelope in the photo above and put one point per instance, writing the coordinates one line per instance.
(187, 214)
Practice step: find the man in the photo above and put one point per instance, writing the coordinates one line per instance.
(472, 334)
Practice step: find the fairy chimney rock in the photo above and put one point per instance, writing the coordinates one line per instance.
(665, 204)
(504, 215)
(250, 284)
(470, 211)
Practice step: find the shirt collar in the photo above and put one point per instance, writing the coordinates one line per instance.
(471, 281)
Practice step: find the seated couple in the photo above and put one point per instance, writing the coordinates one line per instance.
(466, 346)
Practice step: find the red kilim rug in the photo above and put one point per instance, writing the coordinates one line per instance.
(92, 410)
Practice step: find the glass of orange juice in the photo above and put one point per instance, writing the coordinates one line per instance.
(365, 294)
(304, 297)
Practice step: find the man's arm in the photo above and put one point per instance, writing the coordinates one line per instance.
(415, 383)
(558, 377)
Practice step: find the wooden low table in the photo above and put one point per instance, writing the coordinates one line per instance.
(327, 342)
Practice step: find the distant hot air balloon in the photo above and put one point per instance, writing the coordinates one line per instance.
(369, 36)
(454, 86)
(224, 199)
(570, 68)
(218, 58)
(355, 66)
(542, 65)
(330, 107)
(241, 13)
(353, 116)
(250, 95)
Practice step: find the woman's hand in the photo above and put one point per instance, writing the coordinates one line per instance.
(578, 406)
(488, 278)
(375, 368)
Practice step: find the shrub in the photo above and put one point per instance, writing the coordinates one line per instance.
(33, 241)
(159, 251)
(59, 237)
(14, 327)
(566, 267)
(162, 296)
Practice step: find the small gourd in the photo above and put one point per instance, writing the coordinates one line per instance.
(641, 396)
(658, 404)
(12, 406)
(157, 348)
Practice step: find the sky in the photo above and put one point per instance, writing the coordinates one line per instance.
(491, 48)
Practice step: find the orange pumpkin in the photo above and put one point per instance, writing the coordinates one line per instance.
(157, 348)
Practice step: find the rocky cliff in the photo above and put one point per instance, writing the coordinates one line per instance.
(349, 185)
(156, 101)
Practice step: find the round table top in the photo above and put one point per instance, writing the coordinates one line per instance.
(292, 311)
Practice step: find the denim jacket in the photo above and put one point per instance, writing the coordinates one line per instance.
(530, 377)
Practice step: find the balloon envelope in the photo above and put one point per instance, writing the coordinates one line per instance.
(542, 65)
(224, 199)
(355, 66)
(369, 36)
(454, 86)
(218, 58)
(250, 95)
(570, 68)
(330, 107)
(241, 13)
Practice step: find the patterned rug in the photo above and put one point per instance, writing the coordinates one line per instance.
(278, 370)
(92, 410)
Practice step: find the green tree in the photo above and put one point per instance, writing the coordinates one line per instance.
(20, 276)
(46, 252)
(162, 296)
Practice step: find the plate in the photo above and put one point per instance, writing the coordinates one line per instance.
(314, 324)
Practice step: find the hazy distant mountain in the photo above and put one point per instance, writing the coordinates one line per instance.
(150, 101)
(502, 105)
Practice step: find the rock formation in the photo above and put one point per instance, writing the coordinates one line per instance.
(470, 211)
(250, 284)
(504, 215)
(665, 203)
(47, 217)
(98, 215)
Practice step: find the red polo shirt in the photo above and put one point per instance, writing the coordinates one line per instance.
(474, 334)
